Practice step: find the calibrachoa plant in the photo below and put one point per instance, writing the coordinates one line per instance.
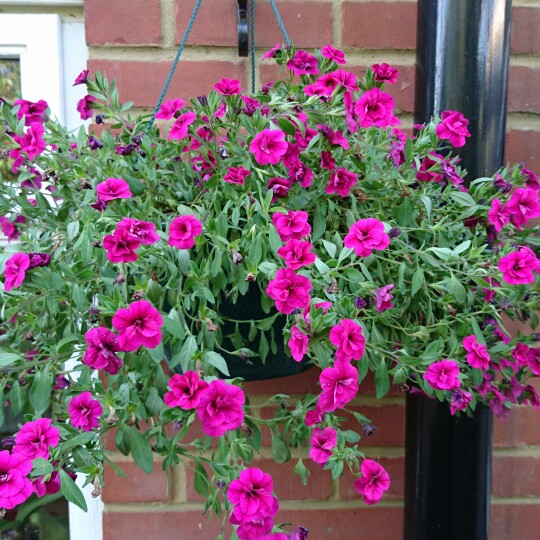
(366, 243)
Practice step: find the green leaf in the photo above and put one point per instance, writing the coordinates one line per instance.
(321, 266)
(464, 199)
(350, 436)
(427, 203)
(273, 239)
(41, 467)
(71, 491)
(319, 223)
(200, 480)
(72, 230)
(153, 403)
(442, 253)
(17, 396)
(185, 355)
(417, 281)
(382, 381)
(40, 392)
(7, 358)
(286, 126)
(456, 288)
(280, 452)
(216, 360)
(464, 246)
(302, 471)
(330, 248)
(140, 449)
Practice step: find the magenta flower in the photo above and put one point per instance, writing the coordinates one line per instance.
(84, 107)
(121, 246)
(373, 482)
(339, 386)
(102, 346)
(15, 270)
(280, 187)
(323, 442)
(236, 175)
(179, 129)
(143, 231)
(522, 206)
(489, 294)
(256, 529)
(9, 227)
(345, 79)
(228, 87)
(297, 253)
(460, 400)
(520, 353)
(113, 188)
(39, 259)
(348, 338)
(533, 361)
(251, 494)
(327, 161)
(365, 236)
(453, 127)
(335, 138)
(314, 416)
(333, 54)
(352, 124)
(383, 298)
(341, 181)
(31, 112)
(289, 290)
(32, 142)
(15, 487)
(272, 52)
(50, 487)
(532, 179)
(301, 173)
(518, 266)
(268, 146)
(183, 230)
(478, 356)
(169, 108)
(34, 439)
(186, 390)
(221, 408)
(498, 215)
(291, 226)
(84, 412)
(443, 375)
(430, 169)
(376, 108)
(139, 325)
(303, 63)
(81, 78)
(298, 343)
(385, 73)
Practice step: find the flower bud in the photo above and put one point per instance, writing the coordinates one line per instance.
(394, 232)
(39, 259)
(360, 303)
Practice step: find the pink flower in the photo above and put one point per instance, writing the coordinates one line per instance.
(314, 416)
(385, 73)
(301, 173)
(50, 487)
(335, 138)
(489, 294)
(15, 270)
(333, 54)
(186, 390)
(113, 188)
(15, 487)
(183, 230)
(478, 356)
(297, 253)
(365, 236)
(39, 259)
(143, 231)
(298, 343)
(383, 298)
(518, 266)
(236, 175)
(327, 161)
(31, 112)
(280, 187)
(221, 408)
(272, 52)
(228, 87)
(9, 227)
(32, 141)
(303, 63)
(430, 169)
(139, 325)
(34, 439)
(443, 375)
(348, 338)
(268, 146)
(460, 400)
(179, 129)
(84, 412)
(82, 77)
(533, 361)
(373, 482)
(169, 109)
(102, 346)
(341, 181)
(453, 127)
(121, 246)
(291, 226)
(339, 386)
(289, 290)
(345, 79)
(532, 180)
(352, 124)
(520, 354)
(498, 215)
(322, 442)
(255, 529)
(376, 108)
(522, 206)
(84, 107)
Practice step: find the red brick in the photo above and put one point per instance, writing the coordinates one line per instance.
(379, 25)
(141, 82)
(516, 476)
(373, 523)
(113, 22)
(524, 90)
(514, 521)
(521, 429)
(137, 487)
(395, 468)
(523, 145)
(303, 383)
(308, 23)
(524, 34)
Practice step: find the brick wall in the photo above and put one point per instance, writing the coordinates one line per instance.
(136, 45)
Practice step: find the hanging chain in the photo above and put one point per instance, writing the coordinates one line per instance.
(252, 42)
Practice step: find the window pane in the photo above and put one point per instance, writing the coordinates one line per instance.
(10, 78)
